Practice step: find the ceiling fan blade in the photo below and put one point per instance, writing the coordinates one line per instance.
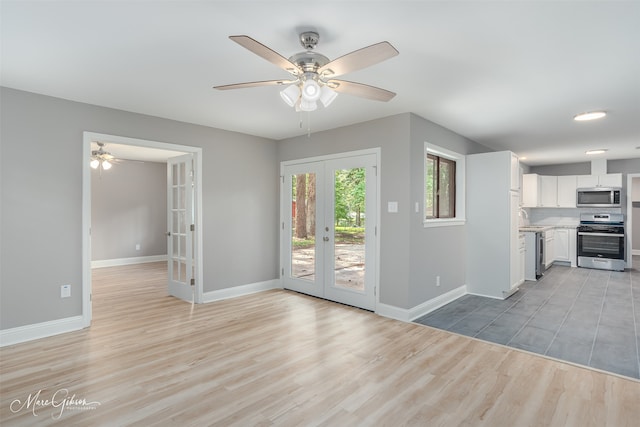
(255, 84)
(362, 90)
(358, 59)
(267, 53)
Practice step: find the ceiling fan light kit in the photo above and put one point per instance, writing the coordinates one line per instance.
(314, 73)
(101, 158)
(290, 95)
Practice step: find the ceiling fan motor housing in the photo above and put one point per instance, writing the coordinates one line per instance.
(309, 62)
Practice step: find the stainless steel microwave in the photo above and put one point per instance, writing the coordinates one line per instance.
(598, 197)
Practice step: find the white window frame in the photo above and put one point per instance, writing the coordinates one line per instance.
(459, 219)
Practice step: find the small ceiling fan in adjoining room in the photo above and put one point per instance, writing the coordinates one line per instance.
(100, 158)
(313, 74)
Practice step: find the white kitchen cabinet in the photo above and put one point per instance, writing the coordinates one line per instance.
(561, 244)
(530, 190)
(610, 180)
(607, 180)
(548, 191)
(564, 244)
(492, 226)
(549, 248)
(567, 191)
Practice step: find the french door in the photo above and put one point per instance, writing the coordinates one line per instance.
(181, 221)
(328, 244)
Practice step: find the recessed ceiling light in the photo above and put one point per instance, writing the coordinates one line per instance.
(598, 151)
(591, 115)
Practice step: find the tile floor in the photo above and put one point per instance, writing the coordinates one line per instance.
(589, 317)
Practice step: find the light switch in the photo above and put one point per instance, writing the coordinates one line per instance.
(392, 207)
(65, 291)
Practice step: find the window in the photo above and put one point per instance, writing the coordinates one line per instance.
(440, 185)
(443, 187)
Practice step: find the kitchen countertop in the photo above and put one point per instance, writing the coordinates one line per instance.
(534, 227)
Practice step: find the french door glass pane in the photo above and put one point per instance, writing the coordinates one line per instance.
(303, 215)
(349, 228)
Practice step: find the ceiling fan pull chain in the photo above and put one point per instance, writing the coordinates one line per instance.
(308, 125)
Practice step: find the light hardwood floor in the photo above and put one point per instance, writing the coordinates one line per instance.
(281, 358)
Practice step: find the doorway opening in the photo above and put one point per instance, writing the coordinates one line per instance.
(329, 227)
(190, 185)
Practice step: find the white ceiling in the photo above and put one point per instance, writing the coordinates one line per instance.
(509, 75)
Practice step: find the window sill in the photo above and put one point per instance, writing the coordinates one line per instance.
(449, 222)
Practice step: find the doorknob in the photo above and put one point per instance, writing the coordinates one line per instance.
(325, 238)
(168, 234)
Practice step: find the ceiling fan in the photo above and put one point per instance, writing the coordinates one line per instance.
(101, 158)
(313, 74)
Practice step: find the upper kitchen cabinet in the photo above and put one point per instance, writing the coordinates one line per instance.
(493, 261)
(607, 180)
(530, 190)
(548, 191)
(542, 191)
(567, 191)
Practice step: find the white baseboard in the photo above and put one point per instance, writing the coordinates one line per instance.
(238, 291)
(408, 315)
(392, 312)
(40, 330)
(127, 261)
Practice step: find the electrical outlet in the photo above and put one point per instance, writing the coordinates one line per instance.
(137, 246)
(437, 280)
(65, 291)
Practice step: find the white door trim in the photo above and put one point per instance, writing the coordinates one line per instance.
(88, 137)
(377, 153)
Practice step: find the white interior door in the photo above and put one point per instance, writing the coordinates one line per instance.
(330, 250)
(181, 223)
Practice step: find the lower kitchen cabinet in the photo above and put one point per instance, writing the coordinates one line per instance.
(549, 248)
(564, 245)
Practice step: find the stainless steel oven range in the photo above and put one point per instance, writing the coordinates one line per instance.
(601, 241)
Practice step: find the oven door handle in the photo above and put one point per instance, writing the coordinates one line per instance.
(600, 234)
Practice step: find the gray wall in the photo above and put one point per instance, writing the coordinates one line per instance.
(410, 255)
(435, 251)
(613, 166)
(391, 134)
(624, 166)
(41, 176)
(129, 207)
(563, 169)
